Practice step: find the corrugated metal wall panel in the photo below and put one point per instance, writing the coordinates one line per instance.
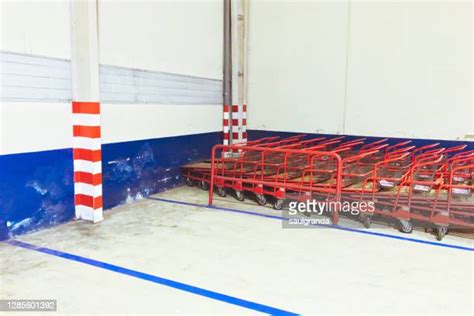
(124, 85)
(38, 78)
(34, 78)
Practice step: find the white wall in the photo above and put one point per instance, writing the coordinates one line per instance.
(471, 136)
(32, 126)
(120, 122)
(182, 37)
(409, 68)
(177, 36)
(36, 27)
(39, 28)
(296, 65)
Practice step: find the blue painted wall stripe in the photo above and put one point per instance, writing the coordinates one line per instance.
(156, 279)
(353, 230)
(37, 189)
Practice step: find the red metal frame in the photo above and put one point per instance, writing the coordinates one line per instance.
(429, 185)
(283, 162)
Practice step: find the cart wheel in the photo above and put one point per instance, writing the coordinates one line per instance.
(366, 220)
(406, 227)
(441, 232)
(221, 192)
(189, 182)
(204, 185)
(278, 205)
(261, 199)
(239, 195)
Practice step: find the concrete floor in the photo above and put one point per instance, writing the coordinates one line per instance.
(320, 271)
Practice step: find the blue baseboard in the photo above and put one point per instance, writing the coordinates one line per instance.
(37, 189)
(132, 170)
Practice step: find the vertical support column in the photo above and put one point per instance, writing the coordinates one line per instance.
(227, 138)
(471, 135)
(236, 129)
(244, 9)
(86, 111)
(239, 68)
(226, 125)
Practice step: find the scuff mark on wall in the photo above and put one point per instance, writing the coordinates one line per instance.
(137, 169)
(36, 191)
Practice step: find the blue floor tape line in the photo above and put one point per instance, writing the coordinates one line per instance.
(155, 279)
(353, 230)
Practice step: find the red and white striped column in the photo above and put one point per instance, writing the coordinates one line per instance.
(236, 135)
(235, 116)
(226, 125)
(86, 111)
(87, 160)
(244, 123)
(244, 29)
(231, 124)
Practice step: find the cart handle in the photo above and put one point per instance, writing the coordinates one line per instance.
(454, 170)
(339, 138)
(455, 149)
(284, 140)
(394, 147)
(309, 141)
(354, 141)
(399, 151)
(451, 186)
(349, 145)
(378, 142)
(262, 140)
(430, 153)
(340, 150)
(359, 156)
(420, 149)
(462, 155)
(395, 158)
(304, 142)
(466, 153)
(425, 161)
(461, 160)
(323, 145)
(378, 148)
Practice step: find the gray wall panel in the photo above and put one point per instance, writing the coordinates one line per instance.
(38, 78)
(124, 85)
(34, 78)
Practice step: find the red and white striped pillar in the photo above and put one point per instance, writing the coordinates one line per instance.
(87, 160)
(231, 124)
(236, 131)
(244, 124)
(244, 29)
(226, 125)
(86, 112)
(235, 117)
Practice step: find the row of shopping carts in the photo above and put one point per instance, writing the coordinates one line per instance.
(429, 185)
